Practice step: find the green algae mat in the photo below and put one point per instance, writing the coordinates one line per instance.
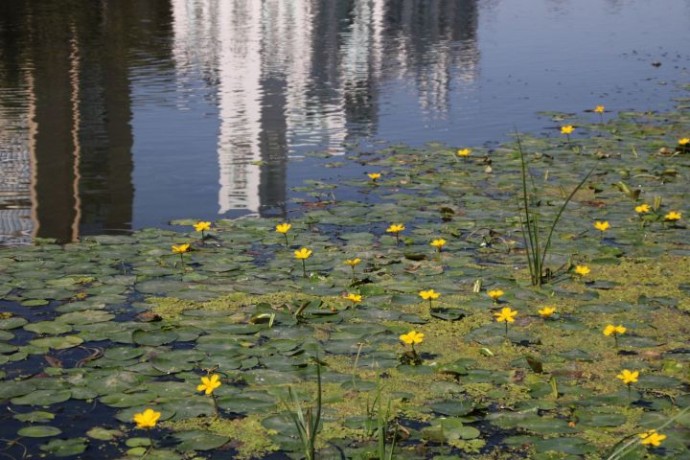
(403, 324)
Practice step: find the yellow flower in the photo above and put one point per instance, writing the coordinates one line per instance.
(567, 129)
(429, 295)
(506, 315)
(610, 329)
(495, 294)
(438, 243)
(599, 109)
(303, 253)
(353, 262)
(395, 228)
(643, 208)
(147, 419)
(684, 141)
(672, 216)
(547, 312)
(208, 384)
(628, 377)
(201, 226)
(412, 338)
(374, 176)
(283, 228)
(355, 298)
(464, 152)
(181, 249)
(651, 437)
(602, 225)
(582, 270)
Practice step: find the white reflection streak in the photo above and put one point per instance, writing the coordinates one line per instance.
(298, 65)
(239, 101)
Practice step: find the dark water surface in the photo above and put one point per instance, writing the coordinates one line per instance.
(123, 114)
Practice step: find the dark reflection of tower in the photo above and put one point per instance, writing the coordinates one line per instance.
(80, 118)
(273, 147)
(54, 153)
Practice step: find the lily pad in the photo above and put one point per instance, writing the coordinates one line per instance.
(39, 431)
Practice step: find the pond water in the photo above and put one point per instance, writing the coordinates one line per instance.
(122, 115)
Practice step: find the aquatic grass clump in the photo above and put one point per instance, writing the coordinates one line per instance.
(307, 422)
(536, 252)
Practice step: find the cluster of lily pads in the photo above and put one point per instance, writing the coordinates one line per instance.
(404, 318)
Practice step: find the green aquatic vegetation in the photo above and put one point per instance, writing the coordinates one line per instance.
(248, 436)
(76, 330)
(536, 251)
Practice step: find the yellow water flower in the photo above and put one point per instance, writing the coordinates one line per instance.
(354, 298)
(283, 228)
(303, 253)
(353, 262)
(438, 243)
(672, 216)
(610, 329)
(464, 152)
(602, 225)
(567, 129)
(147, 419)
(412, 338)
(506, 315)
(599, 109)
(201, 226)
(652, 438)
(395, 228)
(643, 208)
(684, 141)
(495, 294)
(582, 270)
(546, 312)
(208, 384)
(374, 176)
(429, 295)
(180, 249)
(628, 377)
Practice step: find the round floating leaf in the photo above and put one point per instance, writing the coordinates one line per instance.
(12, 323)
(153, 338)
(35, 302)
(58, 343)
(65, 447)
(43, 397)
(85, 317)
(48, 328)
(199, 440)
(453, 407)
(35, 417)
(39, 431)
(103, 434)
(572, 446)
(128, 399)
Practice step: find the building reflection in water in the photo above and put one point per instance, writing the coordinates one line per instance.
(307, 72)
(72, 77)
(287, 76)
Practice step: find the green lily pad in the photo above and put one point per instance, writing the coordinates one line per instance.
(104, 434)
(199, 440)
(58, 343)
(154, 338)
(43, 397)
(35, 416)
(48, 328)
(39, 431)
(65, 447)
(12, 323)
